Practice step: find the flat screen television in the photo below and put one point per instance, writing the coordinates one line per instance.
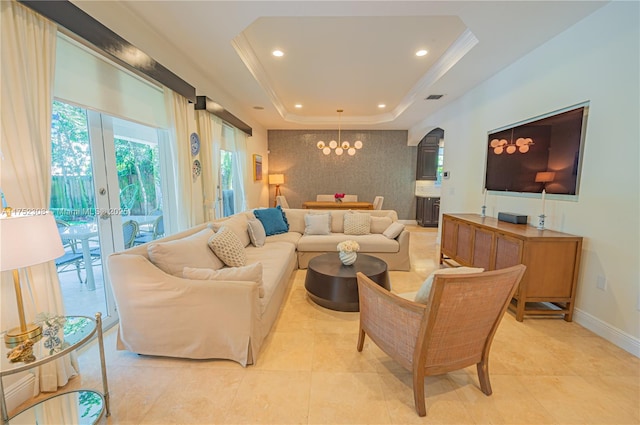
(544, 152)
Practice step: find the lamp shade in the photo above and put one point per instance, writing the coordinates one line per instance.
(545, 176)
(276, 178)
(27, 240)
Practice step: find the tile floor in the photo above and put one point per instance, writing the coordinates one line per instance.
(543, 371)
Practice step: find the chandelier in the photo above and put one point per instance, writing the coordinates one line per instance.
(339, 147)
(501, 145)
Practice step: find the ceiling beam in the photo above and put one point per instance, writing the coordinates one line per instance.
(77, 21)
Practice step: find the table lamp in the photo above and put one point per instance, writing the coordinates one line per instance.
(26, 240)
(276, 179)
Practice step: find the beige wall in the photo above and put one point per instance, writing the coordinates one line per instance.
(385, 166)
(596, 60)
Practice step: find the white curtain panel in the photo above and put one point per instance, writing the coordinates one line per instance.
(237, 143)
(181, 118)
(246, 173)
(210, 132)
(27, 52)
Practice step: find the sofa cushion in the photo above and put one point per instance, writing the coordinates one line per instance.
(275, 270)
(357, 224)
(393, 230)
(328, 243)
(257, 234)
(273, 220)
(380, 224)
(291, 237)
(248, 273)
(423, 293)
(236, 223)
(317, 224)
(192, 251)
(295, 218)
(227, 246)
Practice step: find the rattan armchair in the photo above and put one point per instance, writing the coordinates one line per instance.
(452, 331)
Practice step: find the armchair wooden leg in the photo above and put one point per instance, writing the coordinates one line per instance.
(361, 339)
(418, 393)
(483, 377)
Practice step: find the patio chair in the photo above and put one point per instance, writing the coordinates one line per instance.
(157, 231)
(129, 231)
(452, 331)
(71, 255)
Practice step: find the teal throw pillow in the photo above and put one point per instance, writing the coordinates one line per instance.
(274, 220)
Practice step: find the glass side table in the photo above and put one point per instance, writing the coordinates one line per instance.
(60, 336)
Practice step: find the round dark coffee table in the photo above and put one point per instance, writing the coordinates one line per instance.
(333, 285)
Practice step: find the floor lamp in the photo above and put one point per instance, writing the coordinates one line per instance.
(26, 240)
(276, 179)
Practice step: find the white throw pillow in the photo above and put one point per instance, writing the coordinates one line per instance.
(257, 233)
(317, 224)
(394, 230)
(227, 246)
(248, 273)
(173, 256)
(357, 224)
(423, 293)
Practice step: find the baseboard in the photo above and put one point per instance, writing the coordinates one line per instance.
(409, 222)
(614, 335)
(19, 391)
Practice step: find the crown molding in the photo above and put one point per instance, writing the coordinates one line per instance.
(458, 49)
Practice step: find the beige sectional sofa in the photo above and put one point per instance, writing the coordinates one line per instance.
(163, 313)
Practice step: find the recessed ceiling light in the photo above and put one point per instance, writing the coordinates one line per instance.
(421, 52)
(382, 105)
(277, 53)
(297, 105)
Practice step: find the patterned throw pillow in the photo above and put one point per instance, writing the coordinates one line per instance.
(227, 247)
(357, 224)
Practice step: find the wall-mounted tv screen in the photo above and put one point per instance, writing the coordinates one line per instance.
(541, 153)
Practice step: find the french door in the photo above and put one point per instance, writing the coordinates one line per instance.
(106, 195)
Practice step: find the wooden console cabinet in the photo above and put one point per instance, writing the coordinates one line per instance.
(552, 259)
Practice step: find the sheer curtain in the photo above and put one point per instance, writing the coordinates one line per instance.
(241, 160)
(236, 143)
(27, 62)
(181, 118)
(210, 132)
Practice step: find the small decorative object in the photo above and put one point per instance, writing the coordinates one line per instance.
(484, 204)
(22, 353)
(542, 216)
(53, 332)
(196, 168)
(338, 197)
(195, 144)
(347, 251)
